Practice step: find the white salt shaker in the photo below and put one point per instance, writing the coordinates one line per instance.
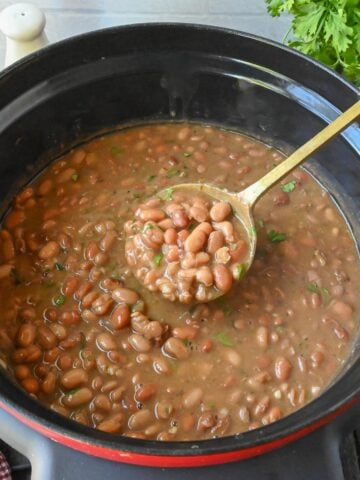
(23, 25)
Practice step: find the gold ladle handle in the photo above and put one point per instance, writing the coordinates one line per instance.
(252, 193)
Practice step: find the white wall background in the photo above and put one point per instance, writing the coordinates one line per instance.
(70, 17)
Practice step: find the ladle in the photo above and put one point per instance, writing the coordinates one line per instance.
(243, 202)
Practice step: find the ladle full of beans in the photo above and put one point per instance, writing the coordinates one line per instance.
(193, 241)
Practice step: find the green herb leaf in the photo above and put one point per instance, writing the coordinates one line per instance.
(173, 172)
(167, 194)
(157, 259)
(75, 177)
(240, 271)
(260, 223)
(151, 178)
(59, 300)
(313, 287)
(49, 283)
(116, 151)
(59, 266)
(148, 226)
(326, 292)
(187, 154)
(328, 30)
(73, 391)
(276, 237)
(225, 339)
(82, 343)
(289, 187)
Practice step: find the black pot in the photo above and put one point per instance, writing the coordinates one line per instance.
(74, 89)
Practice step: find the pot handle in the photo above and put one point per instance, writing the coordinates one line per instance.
(23, 26)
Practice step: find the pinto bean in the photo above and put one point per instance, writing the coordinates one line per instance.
(145, 392)
(175, 348)
(140, 419)
(49, 250)
(220, 211)
(125, 295)
(49, 383)
(22, 371)
(108, 241)
(26, 335)
(120, 317)
(222, 277)
(139, 343)
(46, 338)
(31, 385)
(5, 271)
(112, 424)
(79, 397)
(106, 342)
(185, 332)
(195, 241)
(70, 285)
(282, 368)
(102, 305)
(74, 378)
(150, 214)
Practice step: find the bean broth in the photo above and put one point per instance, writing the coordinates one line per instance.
(83, 336)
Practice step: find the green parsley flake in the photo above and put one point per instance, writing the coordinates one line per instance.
(116, 151)
(158, 258)
(261, 223)
(59, 266)
(167, 194)
(313, 287)
(173, 172)
(151, 178)
(148, 226)
(73, 391)
(187, 154)
(225, 339)
(276, 237)
(240, 271)
(75, 177)
(289, 187)
(59, 300)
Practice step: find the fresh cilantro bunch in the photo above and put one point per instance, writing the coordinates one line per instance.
(328, 30)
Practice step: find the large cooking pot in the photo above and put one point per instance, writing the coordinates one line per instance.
(95, 82)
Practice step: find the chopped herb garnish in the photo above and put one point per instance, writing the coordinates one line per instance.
(225, 339)
(136, 195)
(313, 287)
(187, 154)
(75, 177)
(261, 223)
(192, 309)
(49, 284)
(151, 178)
(240, 271)
(211, 405)
(276, 237)
(73, 391)
(82, 343)
(148, 226)
(326, 292)
(173, 172)
(59, 300)
(190, 227)
(289, 187)
(59, 266)
(167, 194)
(158, 258)
(116, 151)
(253, 231)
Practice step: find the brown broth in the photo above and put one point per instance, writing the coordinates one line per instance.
(84, 337)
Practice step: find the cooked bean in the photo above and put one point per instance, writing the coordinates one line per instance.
(120, 317)
(175, 348)
(46, 338)
(145, 392)
(125, 295)
(262, 337)
(140, 419)
(49, 383)
(26, 335)
(151, 214)
(22, 372)
(50, 250)
(195, 241)
(77, 398)
(74, 378)
(192, 397)
(112, 424)
(139, 343)
(222, 277)
(106, 342)
(31, 385)
(220, 211)
(282, 368)
(102, 305)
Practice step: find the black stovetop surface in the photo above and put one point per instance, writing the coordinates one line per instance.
(350, 456)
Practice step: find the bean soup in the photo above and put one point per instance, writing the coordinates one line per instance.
(83, 332)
